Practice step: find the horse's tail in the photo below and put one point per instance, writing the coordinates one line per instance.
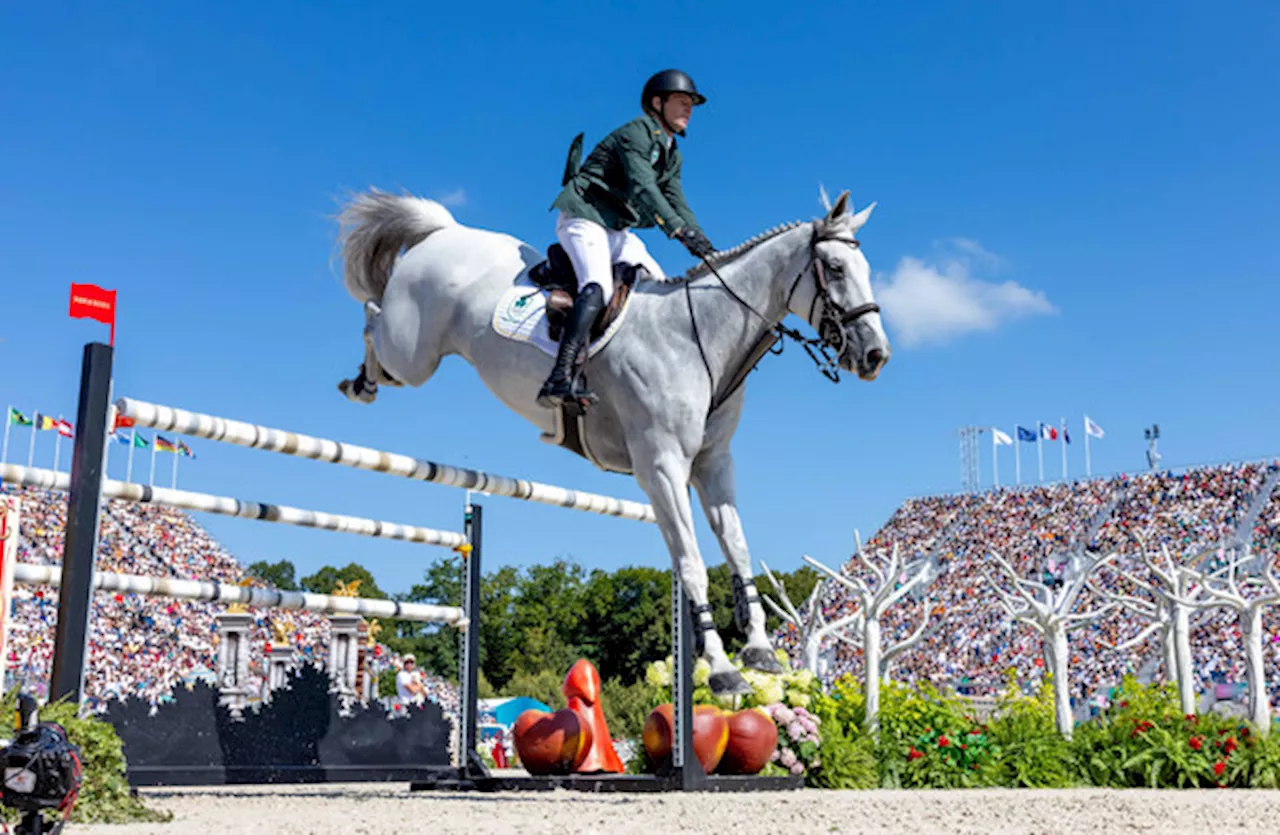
(375, 227)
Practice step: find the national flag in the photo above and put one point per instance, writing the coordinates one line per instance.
(163, 444)
(17, 418)
(1066, 436)
(1048, 432)
(183, 449)
(64, 429)
(1025, 434)
(140, 442)
(44, 422)
(123, 422)
(1091, 428)
(1000, 438)
(122, 439)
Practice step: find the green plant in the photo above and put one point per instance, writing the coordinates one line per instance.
(847, 760)
(105, 795)
(1029, 751)
(1144, 740)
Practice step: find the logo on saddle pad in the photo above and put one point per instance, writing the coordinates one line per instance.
(521, 315)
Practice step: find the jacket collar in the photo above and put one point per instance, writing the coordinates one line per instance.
(656, 128)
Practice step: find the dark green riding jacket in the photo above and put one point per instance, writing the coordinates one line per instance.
(630, 179)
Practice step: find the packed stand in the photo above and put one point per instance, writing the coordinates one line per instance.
(973, 641)
(145, 647)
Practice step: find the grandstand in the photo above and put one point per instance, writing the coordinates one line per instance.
(974, 642)
(143, 647)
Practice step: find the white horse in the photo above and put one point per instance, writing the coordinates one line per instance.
(668, 381)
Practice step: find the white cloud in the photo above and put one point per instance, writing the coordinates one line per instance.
(457, 197)
(935, 302)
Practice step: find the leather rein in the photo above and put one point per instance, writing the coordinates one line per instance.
(830, 325)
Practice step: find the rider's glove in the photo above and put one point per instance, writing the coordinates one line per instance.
(695, 242)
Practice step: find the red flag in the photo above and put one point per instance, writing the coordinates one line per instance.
(89, 301)
(123, 422)
(64, 429)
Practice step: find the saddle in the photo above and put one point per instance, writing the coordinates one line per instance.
(557, 276)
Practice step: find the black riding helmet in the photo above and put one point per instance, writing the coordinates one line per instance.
(664, 84)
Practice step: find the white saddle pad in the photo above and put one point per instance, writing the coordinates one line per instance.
(521, 315)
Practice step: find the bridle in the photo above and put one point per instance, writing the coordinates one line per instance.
(831, 321)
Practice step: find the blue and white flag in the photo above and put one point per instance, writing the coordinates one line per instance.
(1025, 434)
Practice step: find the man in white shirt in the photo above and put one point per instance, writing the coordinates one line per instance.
(408, 686)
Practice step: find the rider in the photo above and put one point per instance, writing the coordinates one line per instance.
(630, 180)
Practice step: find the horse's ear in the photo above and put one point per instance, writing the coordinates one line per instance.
(861, 217)
(841, 205)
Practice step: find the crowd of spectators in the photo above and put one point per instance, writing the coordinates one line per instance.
(973, 640)
(146, 647)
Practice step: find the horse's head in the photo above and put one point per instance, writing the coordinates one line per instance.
(842, 309)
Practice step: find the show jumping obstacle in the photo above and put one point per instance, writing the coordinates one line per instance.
(87, 486)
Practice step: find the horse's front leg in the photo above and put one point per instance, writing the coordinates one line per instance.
(713, 476)
(665, 478)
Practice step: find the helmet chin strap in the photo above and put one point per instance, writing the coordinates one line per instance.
(662, 116)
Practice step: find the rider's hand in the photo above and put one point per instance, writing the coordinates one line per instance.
(695, 242)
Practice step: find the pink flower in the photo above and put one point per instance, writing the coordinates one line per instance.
(797, 769)
(788, 758)
(795, 730)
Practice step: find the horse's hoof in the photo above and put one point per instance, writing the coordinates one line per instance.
(356, 392)
(729, 683)
(759, 658)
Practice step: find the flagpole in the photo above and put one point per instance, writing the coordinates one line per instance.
(152, 479)
(995, 461)
(174, 484)
(1017, 457)
(31, 452)
(8, 421)
(1040, 447)
(1088, 470)
(128, 470)
(57, 444)
(1064, 449)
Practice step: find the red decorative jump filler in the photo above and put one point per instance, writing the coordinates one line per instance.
(89, 301)
(574, 739)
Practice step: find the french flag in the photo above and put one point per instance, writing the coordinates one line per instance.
(1048, 432)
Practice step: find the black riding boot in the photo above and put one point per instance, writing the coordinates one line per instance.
(560, 386)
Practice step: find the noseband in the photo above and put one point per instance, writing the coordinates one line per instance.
(830, 325)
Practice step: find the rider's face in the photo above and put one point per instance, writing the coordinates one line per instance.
(677, 110)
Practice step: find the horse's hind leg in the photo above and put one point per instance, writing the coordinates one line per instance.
(713, 477)
(364, 387)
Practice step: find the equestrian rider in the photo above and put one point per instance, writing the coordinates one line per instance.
(630, 180)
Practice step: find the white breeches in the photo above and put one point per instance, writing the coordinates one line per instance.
(594, 250)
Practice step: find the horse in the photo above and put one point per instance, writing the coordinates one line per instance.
(669, 381)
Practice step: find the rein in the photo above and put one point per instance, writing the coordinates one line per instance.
(830, 324)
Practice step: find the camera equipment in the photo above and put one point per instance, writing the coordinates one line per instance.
(42, 770)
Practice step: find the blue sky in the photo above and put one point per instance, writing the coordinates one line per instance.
(1076, 214)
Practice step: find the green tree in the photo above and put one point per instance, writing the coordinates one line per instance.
(627, 621)
(279, 575)
(326, 580)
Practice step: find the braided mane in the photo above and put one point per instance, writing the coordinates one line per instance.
(724, 256)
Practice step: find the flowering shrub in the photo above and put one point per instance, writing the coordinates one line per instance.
(1144, 740)
(798, 739)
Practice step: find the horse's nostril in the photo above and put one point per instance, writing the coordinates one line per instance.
(875, 357)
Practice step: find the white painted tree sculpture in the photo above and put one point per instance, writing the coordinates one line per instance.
(1050, 613)
(809, 620)
(876, 593)
(1248, 596)
(1174, 594)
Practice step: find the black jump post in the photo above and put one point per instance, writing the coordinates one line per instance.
(83, 506)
